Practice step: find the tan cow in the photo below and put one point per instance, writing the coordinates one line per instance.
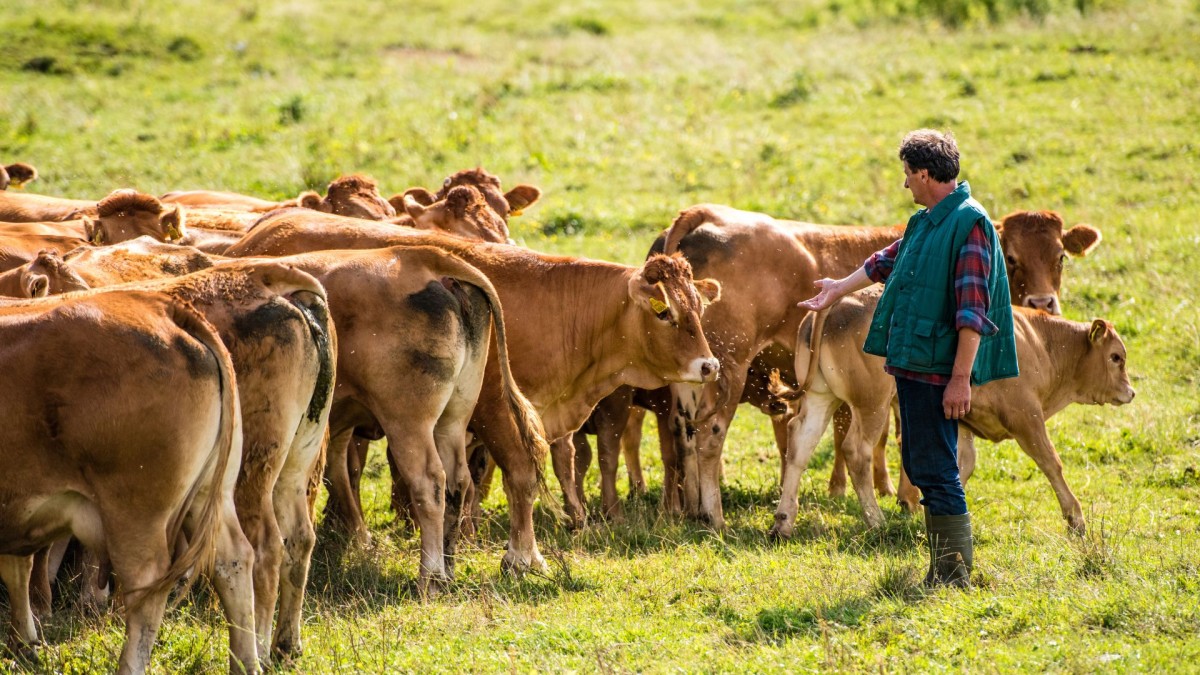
(46, 274)
(274, 321)
(1062, 362)
(463, 212)
(24, 207)
(122, 215)
(578, 329)
(414, 334)
(226, 201)
(16, 175)
(121, 427)
(504, 204)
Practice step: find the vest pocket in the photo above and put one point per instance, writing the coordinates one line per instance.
(923, 347)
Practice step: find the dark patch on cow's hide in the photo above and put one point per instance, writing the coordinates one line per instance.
(476, 313)
(438, 368)
(272, 319)
(702, 249)
(180, 266)
(316, 316)
(201, 363)
(658, 246)
(436, 302)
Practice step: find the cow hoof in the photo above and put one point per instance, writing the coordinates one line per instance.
(614, 516)
(25, 654)
(1077, 527)
(782, 529)
(432, 586)
(907, 506)
(886, 490)
(838, 490)
(285, 651)
(517, 565)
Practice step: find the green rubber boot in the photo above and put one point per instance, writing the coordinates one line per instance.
(951, 550)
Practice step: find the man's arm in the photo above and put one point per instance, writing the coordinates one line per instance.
(875, 269)
(956, 402)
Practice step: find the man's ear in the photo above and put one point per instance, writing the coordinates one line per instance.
(1080, 240)
(709, 290)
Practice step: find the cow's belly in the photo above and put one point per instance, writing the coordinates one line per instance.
(28, 523)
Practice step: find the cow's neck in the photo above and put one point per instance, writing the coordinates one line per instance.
(1062, 346)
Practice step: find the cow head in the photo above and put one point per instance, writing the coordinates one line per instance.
(464, 213)
(667, 306)
(128, 214)
(1035, 247)
(506, 204)
(354, 196)
(46, 274)
(1101, 373)
(16, 175)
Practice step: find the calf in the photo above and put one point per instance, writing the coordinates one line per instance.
(16, 175)
(1062, 362)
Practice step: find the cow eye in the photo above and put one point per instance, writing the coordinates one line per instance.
(1116, 358)
(1012, 262)
(664, 315)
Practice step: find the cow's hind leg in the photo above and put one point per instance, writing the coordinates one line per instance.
(860, 440)
(804, 433)
(15, 573)
(631, 450)
(140, 558)
(562, 454)
(233, 578)
(414, 450)
(291, 511)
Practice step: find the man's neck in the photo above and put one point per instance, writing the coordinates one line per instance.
(939, 192)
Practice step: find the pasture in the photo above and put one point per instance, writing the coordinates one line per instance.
(624, 113)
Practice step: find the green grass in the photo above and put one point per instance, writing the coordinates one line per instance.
(623, 114)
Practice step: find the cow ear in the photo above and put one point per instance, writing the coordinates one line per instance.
(1081, 239)
(420, 195)
(172, 223)
(647, 294)
(93, 231)
(20, 173)
(37, 285)
(1099, 330)
(520, 198)
(309, 200)
(413, 208)
(709, 289)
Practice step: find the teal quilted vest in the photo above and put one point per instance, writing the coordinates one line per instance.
(914, 325)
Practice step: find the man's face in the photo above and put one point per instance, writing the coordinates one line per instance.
(917, 183)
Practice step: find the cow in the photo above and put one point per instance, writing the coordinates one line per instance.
(414, 346)
(25, 207)
(1061, 362)
(46, 274)
(463, 212)
(122, 215)
(504, 204)
(227, 201)
(275, 323)
(1035, 245)
(355, 196)
(578, 329)
(16, 175)
(122, 427)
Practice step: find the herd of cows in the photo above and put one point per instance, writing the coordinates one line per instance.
(182, 373)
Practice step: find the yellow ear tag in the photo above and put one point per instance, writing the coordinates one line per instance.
(658, 305)
(98, 236)
(515, 212)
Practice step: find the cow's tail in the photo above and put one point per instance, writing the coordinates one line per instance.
(807, 360)
(687, 221)
(525, 418)
(197, 551)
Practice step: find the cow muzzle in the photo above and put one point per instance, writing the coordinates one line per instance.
(1046, 303)
(1125, 396)
(702, 370)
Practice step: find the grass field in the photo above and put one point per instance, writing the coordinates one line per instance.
(623, 113)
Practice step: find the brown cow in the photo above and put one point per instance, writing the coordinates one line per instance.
(123, 215)
(354, 196)
(101, 389)
(16, 175)
(275, 324)
(766, 266)
(414, 326)
(46, 274)
(23, 207)
(225, 201)
(463, 212)
(1062, 362)
(597, 317)
(504, 204)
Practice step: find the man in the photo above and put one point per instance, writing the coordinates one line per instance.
(943, 323)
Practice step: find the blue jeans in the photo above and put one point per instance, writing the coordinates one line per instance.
(929, 447)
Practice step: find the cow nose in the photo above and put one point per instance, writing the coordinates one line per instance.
(1046, 303)
(709, 369)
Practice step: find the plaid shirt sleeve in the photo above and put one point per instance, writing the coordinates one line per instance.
(879, 266)
(971, 273)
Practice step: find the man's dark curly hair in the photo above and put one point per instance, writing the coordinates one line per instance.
(932, 150)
